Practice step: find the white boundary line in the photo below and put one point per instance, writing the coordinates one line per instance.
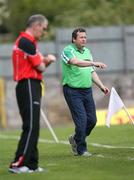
(111, 147)
(40, 140)
(66, 142)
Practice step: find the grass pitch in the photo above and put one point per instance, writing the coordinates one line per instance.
(112, 148)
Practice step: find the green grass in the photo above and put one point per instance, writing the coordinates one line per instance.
(105, 164)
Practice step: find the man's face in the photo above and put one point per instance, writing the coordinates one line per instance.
(40, 30)
(80, 40)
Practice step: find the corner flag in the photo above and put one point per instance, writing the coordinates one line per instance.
(115, 104)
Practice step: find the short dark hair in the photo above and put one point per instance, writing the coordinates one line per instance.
(36, 18)
(74, 33)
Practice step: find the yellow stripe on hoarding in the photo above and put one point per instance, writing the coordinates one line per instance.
(3, 121)
(118, 118)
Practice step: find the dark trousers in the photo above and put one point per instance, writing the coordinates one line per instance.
(28, 93)
(82, 107)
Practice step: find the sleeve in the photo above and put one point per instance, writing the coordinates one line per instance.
(67, 54)
(29, 48)
(92, 67)
(91, 59)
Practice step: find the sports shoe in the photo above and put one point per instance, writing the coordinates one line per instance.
(22, 169)
(73, 144)
(39, 169)
(86, 154)
(25, 169)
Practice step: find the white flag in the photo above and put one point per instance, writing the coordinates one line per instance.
(115, 104)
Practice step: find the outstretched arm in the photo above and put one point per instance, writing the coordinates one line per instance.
(86, 63)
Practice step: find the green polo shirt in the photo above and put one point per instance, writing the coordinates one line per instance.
(72, 75)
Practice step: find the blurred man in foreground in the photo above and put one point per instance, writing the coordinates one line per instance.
(28, 66)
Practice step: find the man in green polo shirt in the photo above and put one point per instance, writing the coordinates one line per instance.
(78, 73)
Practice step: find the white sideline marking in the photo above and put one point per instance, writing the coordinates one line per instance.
(66, 142)
(52, 164)
(100, 155)
(40, 140)
(111, 147)
(131, 158)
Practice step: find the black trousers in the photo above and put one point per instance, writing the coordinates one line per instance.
(28, 93)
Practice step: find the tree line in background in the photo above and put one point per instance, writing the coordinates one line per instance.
(61, 13)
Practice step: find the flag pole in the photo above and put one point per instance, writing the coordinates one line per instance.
(129, 116)
(49, 126)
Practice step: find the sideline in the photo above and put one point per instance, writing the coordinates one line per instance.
(67, 143)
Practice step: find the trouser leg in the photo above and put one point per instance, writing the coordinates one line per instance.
(77, 109)
(28, 97)
(90, 111)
